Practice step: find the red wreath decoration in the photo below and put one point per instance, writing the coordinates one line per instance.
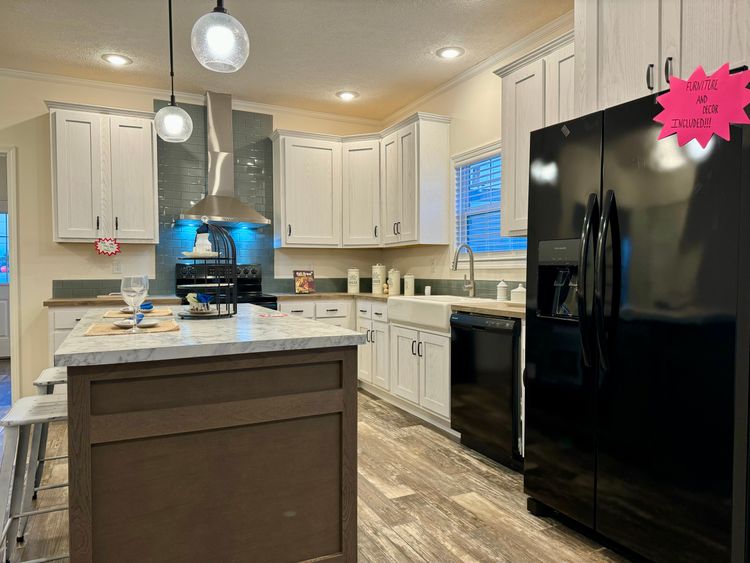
(107, 246)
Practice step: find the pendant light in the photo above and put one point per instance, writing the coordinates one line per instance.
(219, 41)
(173, 124)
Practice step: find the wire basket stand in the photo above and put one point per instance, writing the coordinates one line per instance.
(213, 275)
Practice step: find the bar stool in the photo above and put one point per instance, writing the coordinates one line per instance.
(45, 385)
(15, 498)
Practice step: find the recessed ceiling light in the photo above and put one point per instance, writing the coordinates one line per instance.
(117, 60)
(450, 52)
(347, 95)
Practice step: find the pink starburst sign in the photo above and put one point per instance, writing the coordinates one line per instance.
(702, 106)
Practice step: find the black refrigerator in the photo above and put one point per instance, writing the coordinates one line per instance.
(638, 334)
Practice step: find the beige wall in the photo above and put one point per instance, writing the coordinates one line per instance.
(24, 124)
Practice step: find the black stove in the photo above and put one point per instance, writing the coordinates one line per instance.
(249, 282)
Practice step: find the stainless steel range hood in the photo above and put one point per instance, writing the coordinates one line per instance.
(221, 204)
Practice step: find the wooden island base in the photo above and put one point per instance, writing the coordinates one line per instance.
(224, 459)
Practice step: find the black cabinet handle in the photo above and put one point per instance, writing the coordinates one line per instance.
(289, 230)
(363, 310)
(398, 228)
(419, 349)
(650, 76)
(394, 229)
(97, 222)
(413, 347)
(376, 231)
(367, 337)
(117, 223)
(297, 311)
(378, 314)
(372, 336)
(667, 69)
(78, 319)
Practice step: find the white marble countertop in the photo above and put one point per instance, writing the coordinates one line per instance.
(246, 333)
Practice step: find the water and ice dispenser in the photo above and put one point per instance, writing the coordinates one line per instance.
(558, 278)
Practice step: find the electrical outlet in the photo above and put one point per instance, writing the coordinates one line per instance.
(116, 267)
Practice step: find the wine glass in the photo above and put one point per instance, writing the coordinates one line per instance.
(134, 290)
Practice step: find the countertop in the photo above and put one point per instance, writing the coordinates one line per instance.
(495, 309)
(330, 295)
(246, 333)
(104, 300)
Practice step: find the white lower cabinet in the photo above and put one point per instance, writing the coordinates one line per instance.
(420, 368)
(381, 360)
(364, 352)
(61, 320)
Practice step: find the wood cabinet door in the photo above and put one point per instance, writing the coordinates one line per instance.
(134, 212)
(364, 352)
(707, 33)
(312, 192)
(523, 111)
(361, 193)
(559, 85)
(628, 42)
(404, 363)
(381, 373)
(434, 373)
(390, 188)
(77, 175)
(408, 163)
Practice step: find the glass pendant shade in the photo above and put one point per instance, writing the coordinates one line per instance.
(219, 42)
(173, 124)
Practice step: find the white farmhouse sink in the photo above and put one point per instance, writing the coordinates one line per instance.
(429, 311)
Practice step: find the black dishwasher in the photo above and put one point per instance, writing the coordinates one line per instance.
(485, 386)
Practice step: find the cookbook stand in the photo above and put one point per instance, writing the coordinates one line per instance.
(213, 275)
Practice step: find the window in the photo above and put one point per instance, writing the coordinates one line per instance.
(478, 186)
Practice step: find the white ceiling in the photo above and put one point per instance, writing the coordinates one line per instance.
(301, 51)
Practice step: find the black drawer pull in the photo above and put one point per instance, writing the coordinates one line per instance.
(379, 314)
(363, 310)
(413, 344)
(297, 311)
(332, 310)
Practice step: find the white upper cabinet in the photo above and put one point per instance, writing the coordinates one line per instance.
(361, 178)
(77, 174)
(103, 177)
(134, 207)
(708, 33)
(312, 195)
(559, 67)
(389, 188)
(626, 50)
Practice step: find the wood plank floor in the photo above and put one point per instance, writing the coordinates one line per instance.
(422, 497)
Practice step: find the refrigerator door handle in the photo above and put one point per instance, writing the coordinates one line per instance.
(608, 224)
(590, 223)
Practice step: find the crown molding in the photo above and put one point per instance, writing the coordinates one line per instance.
(538, 53)
(559, 27)
(418, 116)
(52, 105)
(185, 97)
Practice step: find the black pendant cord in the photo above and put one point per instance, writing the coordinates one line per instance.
(220, 7)
(171, 57)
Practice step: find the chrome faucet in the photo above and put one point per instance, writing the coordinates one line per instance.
(470, 283)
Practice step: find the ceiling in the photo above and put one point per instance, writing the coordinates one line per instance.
(301, 51)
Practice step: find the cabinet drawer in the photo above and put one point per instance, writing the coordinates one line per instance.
(60, 335)
(297, 309)
(380, 311)
(67, 318)
(335, 321)
(364, 309)
(331, 309)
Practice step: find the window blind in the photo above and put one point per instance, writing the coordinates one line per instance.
(478, 186)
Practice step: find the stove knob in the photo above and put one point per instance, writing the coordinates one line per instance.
(254, 271)
(246, 271)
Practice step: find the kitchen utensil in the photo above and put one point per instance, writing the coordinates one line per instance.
(142, 323)
(202, 244)
(502, 291)
(394, 282)
(352, 280)
(378, 279)
(408, 284)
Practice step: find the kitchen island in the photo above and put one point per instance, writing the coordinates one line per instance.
(229, 440)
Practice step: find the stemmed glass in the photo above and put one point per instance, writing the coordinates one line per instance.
(134, 290)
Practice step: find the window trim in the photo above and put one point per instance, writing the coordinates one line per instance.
(508, 260)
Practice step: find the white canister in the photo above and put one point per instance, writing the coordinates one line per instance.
(518, 295)
(352, 280)
(394, 282)
(202, 243)
(408, 284)
(502, 291)
(378, 279)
